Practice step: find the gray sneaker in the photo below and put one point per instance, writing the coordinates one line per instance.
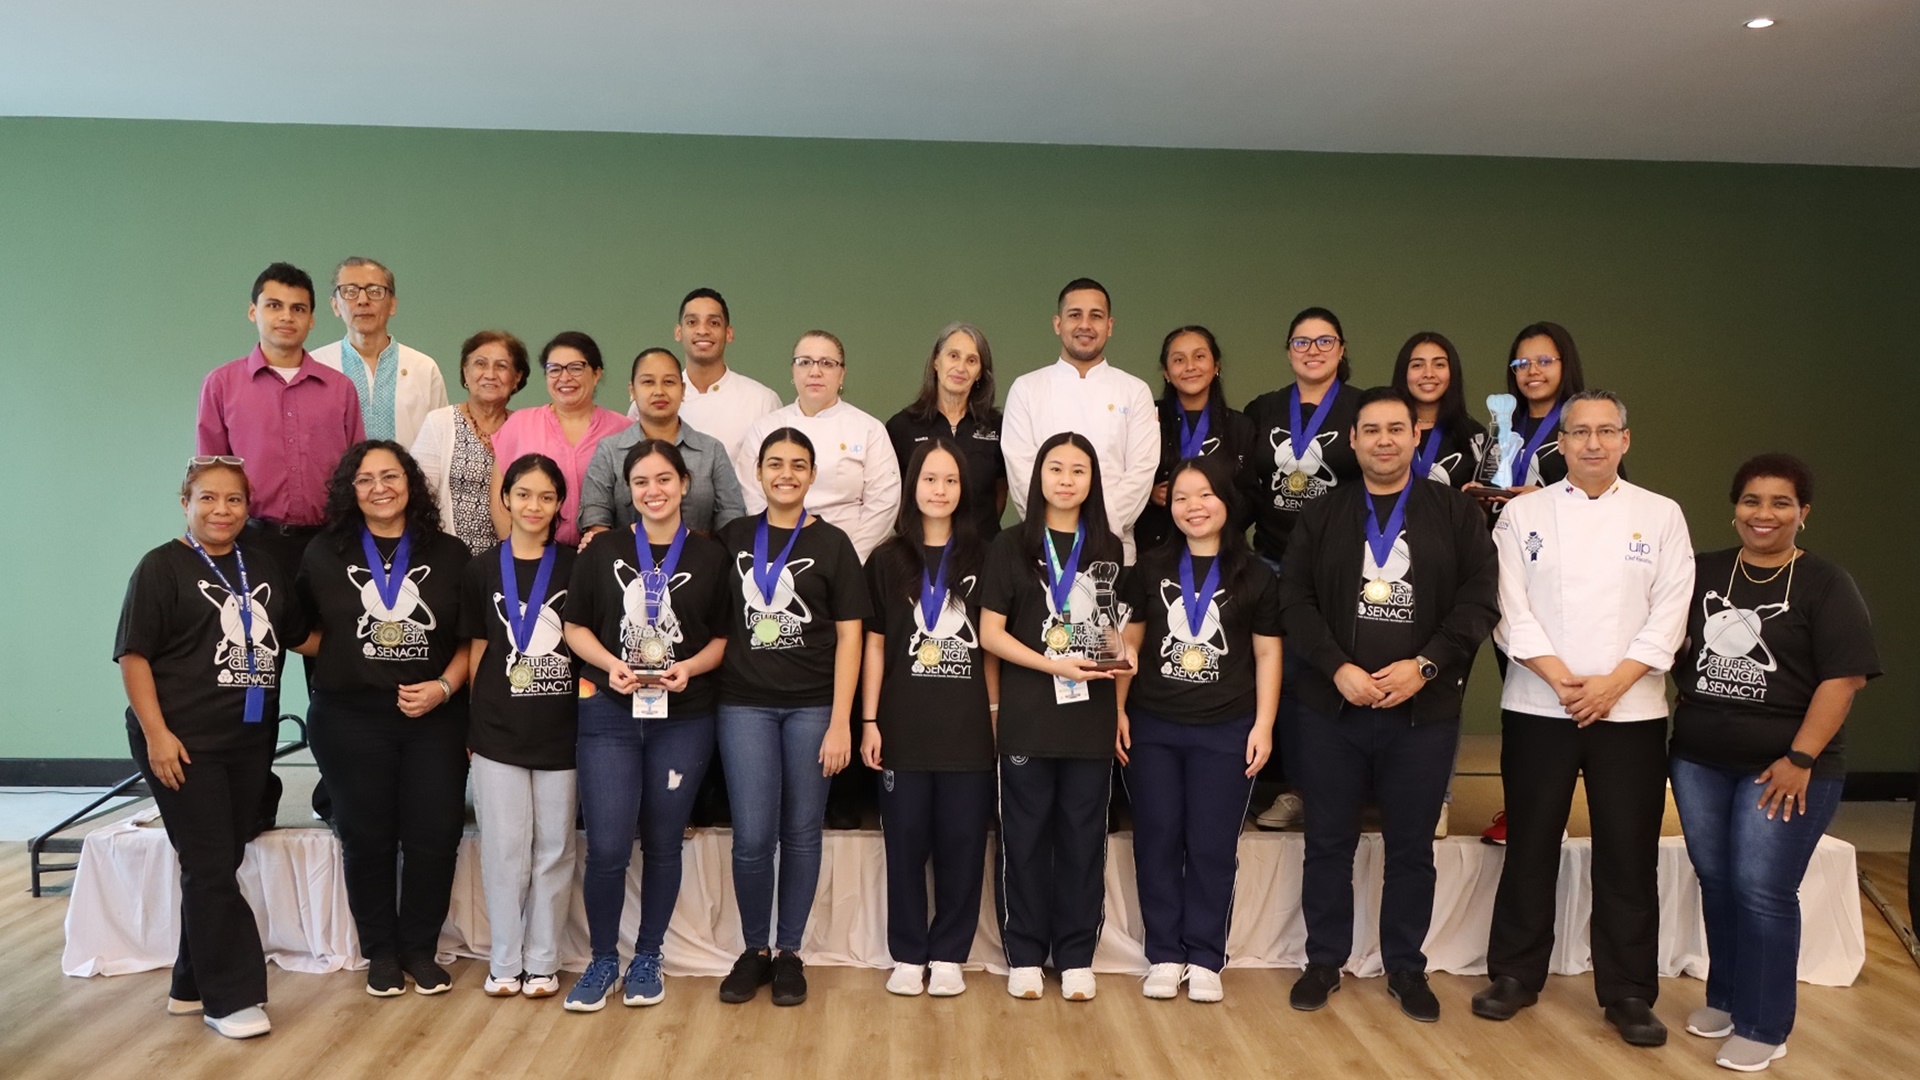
(1710, 1023)
(252, 1021)
(1745, 1055)
(1287, 811)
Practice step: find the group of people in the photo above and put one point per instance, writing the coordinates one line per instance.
(579, 610)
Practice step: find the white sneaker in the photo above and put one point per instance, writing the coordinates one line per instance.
(944, 979)
(540, 986)
(1162, 982)
(1076, 984)
(1026, 982)
(1286, 812)
(245, 1024)
(1440, 825)
(1203, 985)
(182, 1007)
(498, 987)
(905, 980)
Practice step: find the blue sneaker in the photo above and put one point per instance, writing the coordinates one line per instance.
(644, 985)
(589, 993)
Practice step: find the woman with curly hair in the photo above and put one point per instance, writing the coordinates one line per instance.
(387, 720)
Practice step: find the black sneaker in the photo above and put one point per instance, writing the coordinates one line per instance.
(384, 977)
(1632, 1017)
(1504, 997)
(789, 979)
(1416, 999)
(1310, 990)
(428, 977)
(752, 971)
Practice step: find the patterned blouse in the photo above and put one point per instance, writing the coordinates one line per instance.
(470, 482)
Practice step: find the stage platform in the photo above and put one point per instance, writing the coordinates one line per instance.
(124, 912)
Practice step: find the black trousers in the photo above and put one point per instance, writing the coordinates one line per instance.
(399, 789)
(1625, 766)
(1050, 880)
(287, 545)
(1377, 754)
(938, 817)
(209, 820)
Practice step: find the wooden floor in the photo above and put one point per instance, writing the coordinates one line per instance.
(55, 1026)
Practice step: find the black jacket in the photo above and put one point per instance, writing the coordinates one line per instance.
(1456, 583)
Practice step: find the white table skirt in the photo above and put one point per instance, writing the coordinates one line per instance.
(124, 911)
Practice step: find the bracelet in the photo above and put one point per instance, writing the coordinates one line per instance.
(993, 708)
(445, 688)
(1799, 759)
(872, 720)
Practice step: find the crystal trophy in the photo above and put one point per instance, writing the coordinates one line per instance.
(1505, 443)
(1105, 647)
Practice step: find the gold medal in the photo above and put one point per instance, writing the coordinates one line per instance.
(653, 649)
(389, 634)
(1378, 591)
(930, 653)
(1192, 660)
(1059, 636)
(1296, 481)
(766, 630)
(520, 675)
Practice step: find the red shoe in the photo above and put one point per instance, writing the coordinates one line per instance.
(1497, 832)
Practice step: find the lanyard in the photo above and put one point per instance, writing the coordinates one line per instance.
(242, 599)
(522, 618)
(666, 566)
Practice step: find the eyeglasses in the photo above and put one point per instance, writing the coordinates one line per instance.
(1322, 343)
(1606, 434)
(389, 478)
(352, 292)
(575, 369)
(823, 363)
(214, 459)
(1542, 363)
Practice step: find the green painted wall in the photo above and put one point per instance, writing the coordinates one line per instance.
(1738, 308)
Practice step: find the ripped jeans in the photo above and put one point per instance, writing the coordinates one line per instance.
(636, 770)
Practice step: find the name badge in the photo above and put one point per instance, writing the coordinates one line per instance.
(1066, 691)
(650, 703)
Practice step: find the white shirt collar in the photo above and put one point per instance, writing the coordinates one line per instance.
(1568, 489)
(1065, 367)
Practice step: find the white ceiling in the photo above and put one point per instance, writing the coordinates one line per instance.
(1836, 81)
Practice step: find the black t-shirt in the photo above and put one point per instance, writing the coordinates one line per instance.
(528, 724)
(363, 645)
(933, 690)
(1383, 624)
(1032, 724)
(1462, 446)
(780, 650)
(1287, 478)
(608, 597)
(1204, 674)
(1753, 659)
(979, 445)
(187, 625)
(1236, 442)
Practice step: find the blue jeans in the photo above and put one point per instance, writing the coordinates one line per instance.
(630, 769)
(1287, 751)
(779, 799)
(1750, 870)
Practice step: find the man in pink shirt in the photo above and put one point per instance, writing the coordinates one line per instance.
(289, 416)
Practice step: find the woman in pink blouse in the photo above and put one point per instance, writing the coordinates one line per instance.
(566, 430)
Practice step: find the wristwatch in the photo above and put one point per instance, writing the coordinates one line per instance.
(1428, 669)
(1800, 759)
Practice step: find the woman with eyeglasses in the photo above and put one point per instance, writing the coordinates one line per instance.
(1195, 421)
(856, 478)
(1543, 371)
(386, 716)
(455, 444)
(956, 403)
(1452, 443)
(203, 632)
(797, 604)
(568, 430)
(1301, 452)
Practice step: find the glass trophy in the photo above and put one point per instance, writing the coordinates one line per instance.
(1104, 645)
(1505, 444)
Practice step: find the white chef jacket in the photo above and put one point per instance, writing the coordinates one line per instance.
(1112, 409)
(419, 389)
(725, 410)
(856, 482)
(1592, 581)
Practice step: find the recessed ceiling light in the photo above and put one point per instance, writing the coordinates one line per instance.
(1760, 23)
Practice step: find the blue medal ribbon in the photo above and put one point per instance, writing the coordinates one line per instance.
(521, 619)
(1379, 540)
(256, 705)
(1196, 601)
(1194, 440)
(1428, 454)
(667, 565)
(387, 581)
(1301, 436)
(766, 572)
(1060, 576)
(1533, 444)
(933, 591)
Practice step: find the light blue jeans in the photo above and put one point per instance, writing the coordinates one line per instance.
(771, 756)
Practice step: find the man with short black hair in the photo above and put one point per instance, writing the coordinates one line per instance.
(1083, 393)
(398, 386)
(719, 401)
(1387, 589)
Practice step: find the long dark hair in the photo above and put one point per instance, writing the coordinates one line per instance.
(965, 552)
(979, 399)
(1573, 378)
(1453, 401)
(545, 466)
(344, 519)
(1100, 544)
(1236, 555)
(1345, 371)
(1171, 413)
